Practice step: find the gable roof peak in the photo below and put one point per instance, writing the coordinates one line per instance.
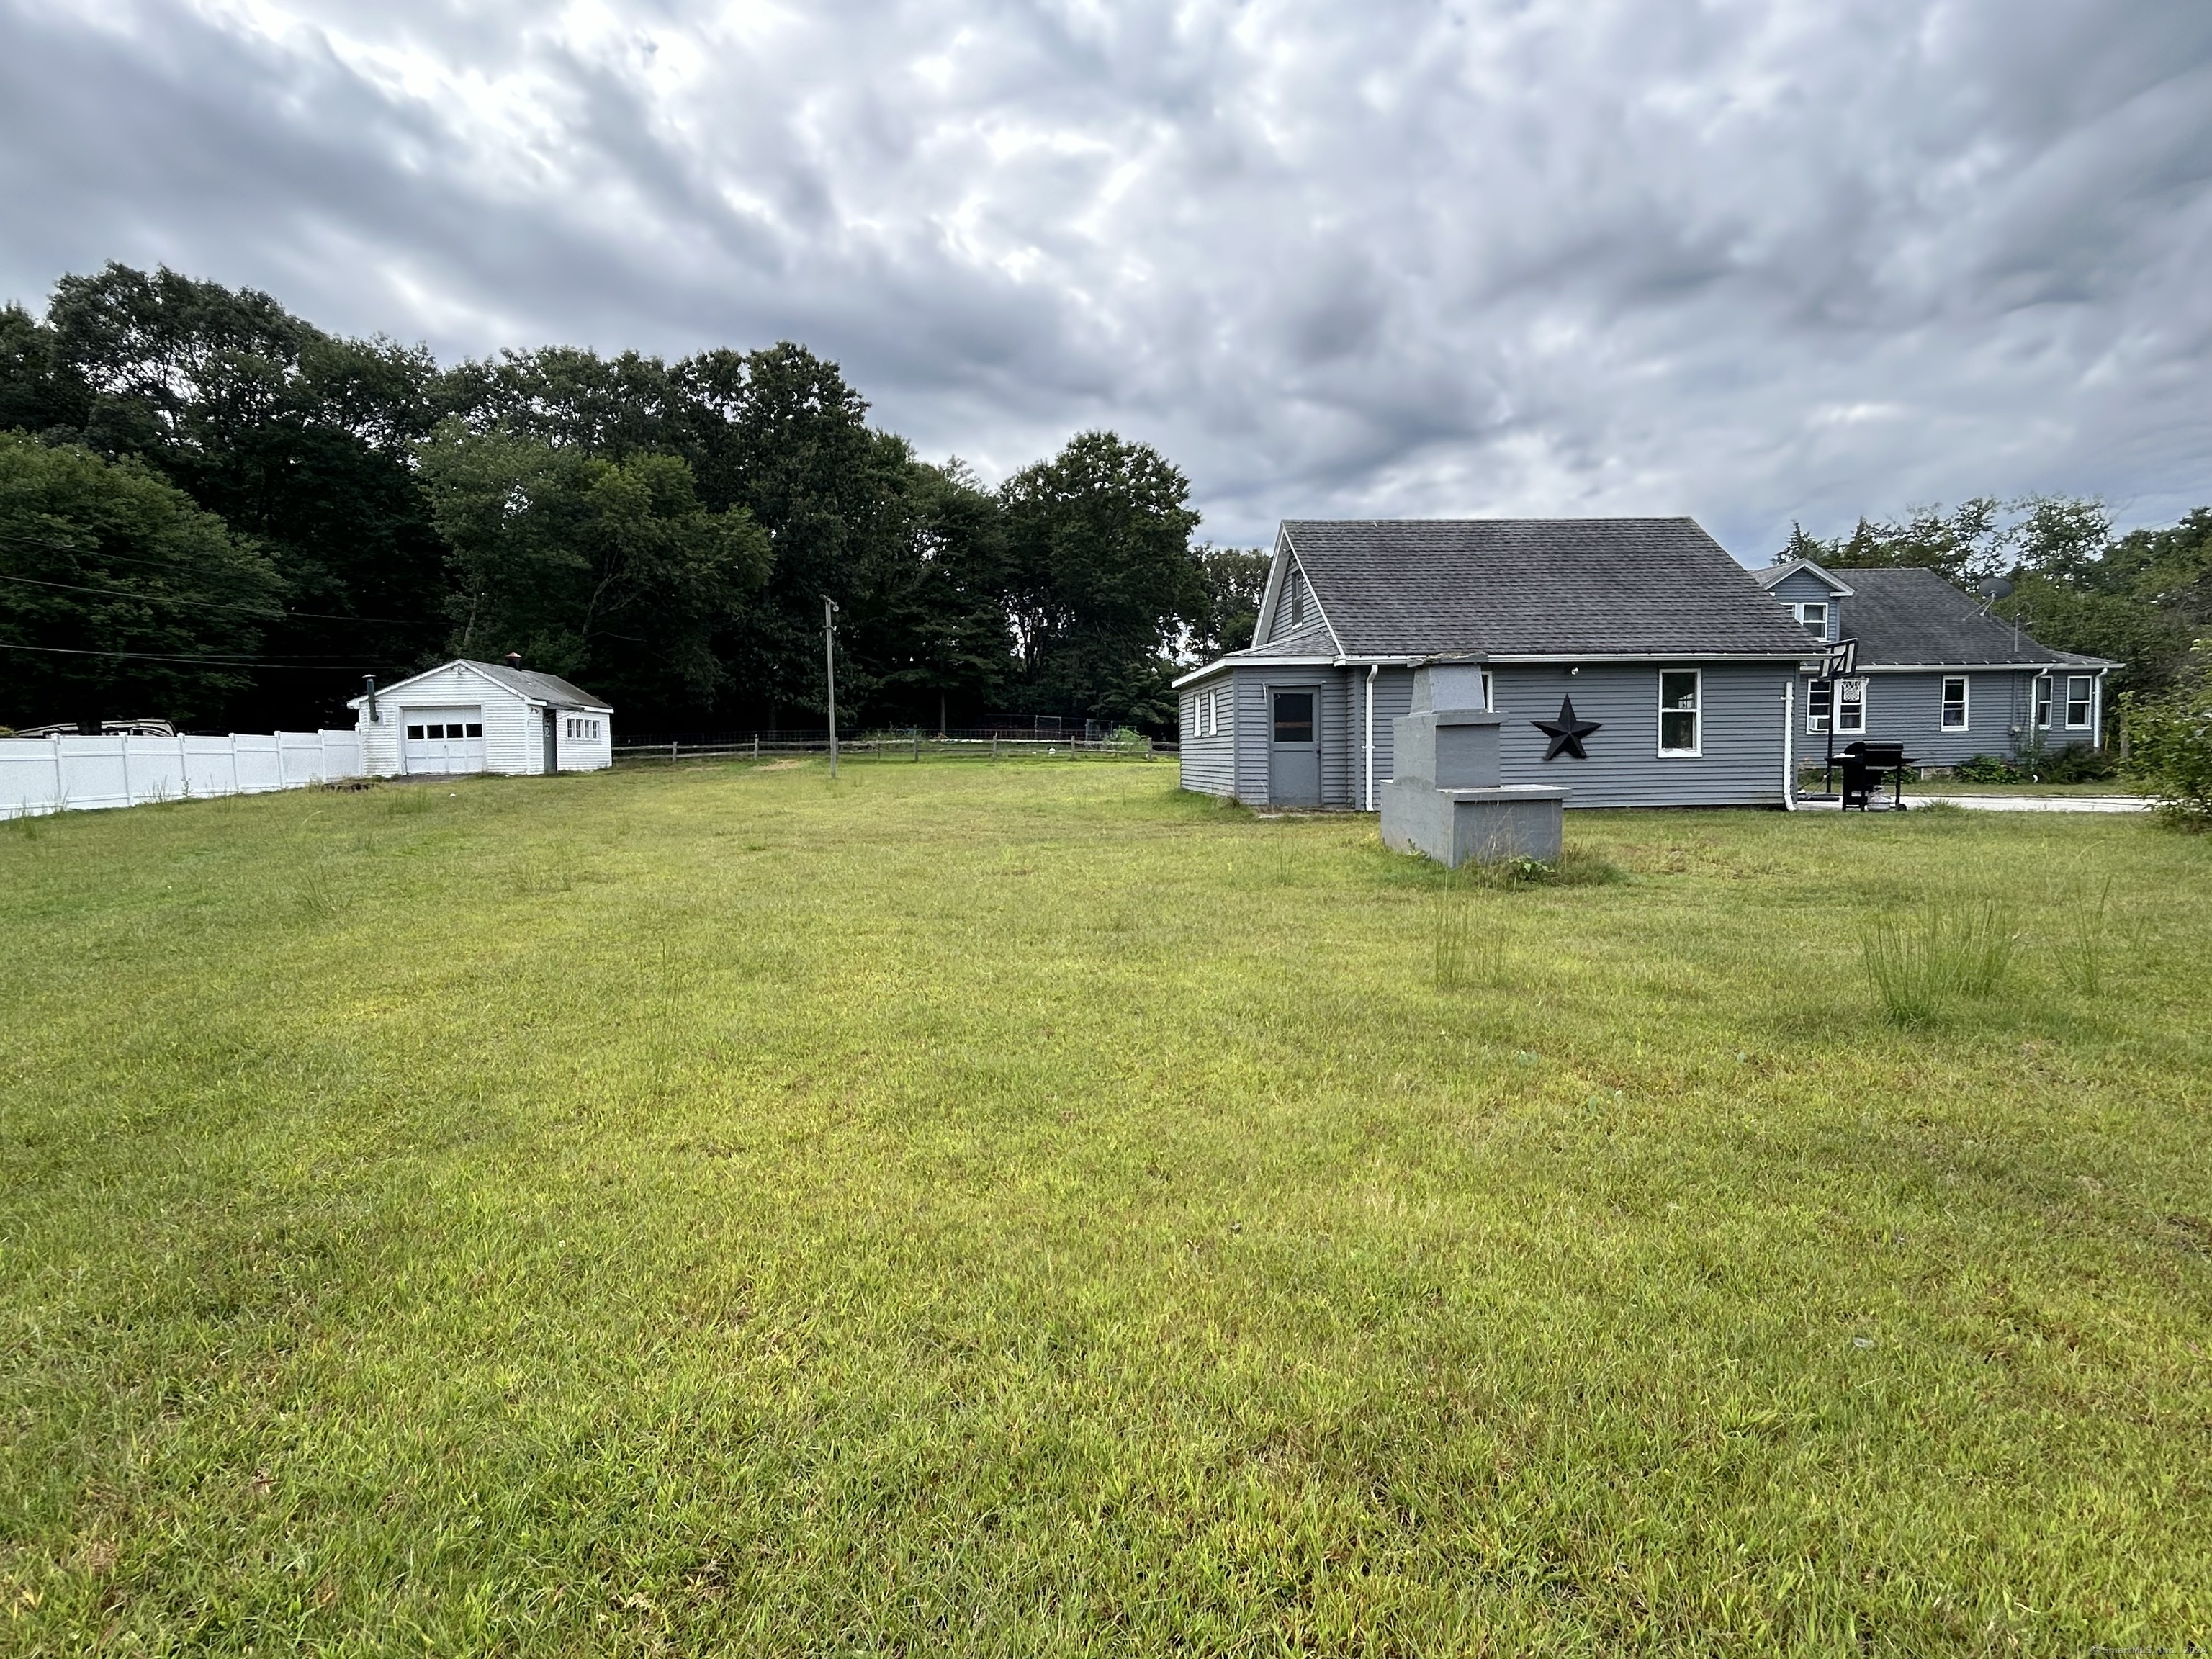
(1781, 569)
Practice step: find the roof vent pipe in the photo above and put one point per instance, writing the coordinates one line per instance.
(514, 660)
(368, 691)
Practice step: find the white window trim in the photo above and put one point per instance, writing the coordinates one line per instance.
(1697, 712)
(1966, 703)
(1806, 622)
(1816, 726)
(1866, 686)
(2089, 702)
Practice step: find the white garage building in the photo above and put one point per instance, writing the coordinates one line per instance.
(483, 717)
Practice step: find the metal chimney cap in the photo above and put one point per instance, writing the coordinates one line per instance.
(514, 660)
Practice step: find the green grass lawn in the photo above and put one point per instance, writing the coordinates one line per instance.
(1022, 1209)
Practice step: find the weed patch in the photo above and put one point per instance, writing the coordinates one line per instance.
(1923, 964)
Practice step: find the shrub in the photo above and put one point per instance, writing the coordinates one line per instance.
(2079, 763)
(1921, 963)
(2170, 751)
(1986, 769)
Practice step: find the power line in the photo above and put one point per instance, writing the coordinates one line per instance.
(310, 665)
(163, 564)
(163, 598)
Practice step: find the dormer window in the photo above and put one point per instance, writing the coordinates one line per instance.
(1813, 615)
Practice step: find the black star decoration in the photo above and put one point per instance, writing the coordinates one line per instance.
(1566, 732)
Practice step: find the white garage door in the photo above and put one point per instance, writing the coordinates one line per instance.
(445, 740)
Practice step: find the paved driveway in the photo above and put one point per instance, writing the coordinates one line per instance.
(2039, 803)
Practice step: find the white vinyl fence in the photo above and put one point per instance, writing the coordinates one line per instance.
(60, 774)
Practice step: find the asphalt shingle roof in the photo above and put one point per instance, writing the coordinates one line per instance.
(1537, 587)
(544, 688)
(1312, 640)
(1915, 615)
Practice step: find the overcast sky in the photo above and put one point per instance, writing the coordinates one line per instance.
(1748, 261)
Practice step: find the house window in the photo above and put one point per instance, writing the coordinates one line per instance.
(1954, 702)
(1678, 711)
(1813, 615)
(1820, 704)
(2078, 701)
(1489, 699)
(2043, 702)
(1850, 704)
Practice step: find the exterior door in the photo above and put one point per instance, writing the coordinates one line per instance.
(1294, 748)
(442, 740)
(552, 756)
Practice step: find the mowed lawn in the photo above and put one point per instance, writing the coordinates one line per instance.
(1022, 1209)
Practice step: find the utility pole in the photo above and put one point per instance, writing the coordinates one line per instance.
(830, 665)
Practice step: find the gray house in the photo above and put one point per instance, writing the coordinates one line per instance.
(1935, 672)
(1636, 663)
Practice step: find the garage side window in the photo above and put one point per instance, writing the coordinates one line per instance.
(1680, 711)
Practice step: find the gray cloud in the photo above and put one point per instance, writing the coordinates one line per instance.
(1751, 261)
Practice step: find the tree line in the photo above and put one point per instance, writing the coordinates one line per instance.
(214, 511)
(2144, 598)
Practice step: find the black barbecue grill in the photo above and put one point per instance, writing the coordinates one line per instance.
(1863, 765)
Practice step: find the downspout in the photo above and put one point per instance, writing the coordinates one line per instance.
(1790, 744)
(1373, 668)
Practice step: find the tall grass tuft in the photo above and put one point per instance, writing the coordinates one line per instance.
(1923, 963)
(2087, 924)
(1452, 932)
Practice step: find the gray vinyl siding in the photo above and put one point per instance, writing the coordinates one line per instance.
(1209, 764)
(1801, 586)
(1251, 730)
(1741, 737)
(1394, 696)
(1907, 707)
(1340, 739)
(1295, 609)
